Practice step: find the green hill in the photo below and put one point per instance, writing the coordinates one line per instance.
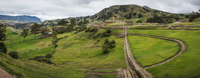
(128, 13)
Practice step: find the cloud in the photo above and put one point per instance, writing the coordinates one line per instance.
(54, 9)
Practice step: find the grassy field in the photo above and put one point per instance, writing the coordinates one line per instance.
(185, 66)
(74, 55)
(86, 53)
(120, 24)
(149, 51)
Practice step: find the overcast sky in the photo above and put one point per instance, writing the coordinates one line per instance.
(55, 9)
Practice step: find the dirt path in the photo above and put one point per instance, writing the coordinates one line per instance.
(134, 65)
(181, 44)
(14, 30)
(4, 74)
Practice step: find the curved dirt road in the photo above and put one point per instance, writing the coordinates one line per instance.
(4, 74)
(181, 44)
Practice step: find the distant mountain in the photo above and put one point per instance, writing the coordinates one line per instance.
(23, 18)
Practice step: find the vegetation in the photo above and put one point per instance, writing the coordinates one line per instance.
(2, 32)
(44, 30)
(194, 15)
(35, 28)
(149, 51)
(188, 62)
(25, 33)
(14, 54)
(75, 47)
(3, 48)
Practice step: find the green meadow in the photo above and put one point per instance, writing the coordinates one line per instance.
(149, 51)
(74, 55)
(185, 66)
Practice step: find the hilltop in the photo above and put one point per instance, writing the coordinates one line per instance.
(23, 18)
(128, 13)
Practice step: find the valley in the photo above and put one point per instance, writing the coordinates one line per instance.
(122, 41)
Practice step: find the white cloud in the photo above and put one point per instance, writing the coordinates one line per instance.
(54, 9)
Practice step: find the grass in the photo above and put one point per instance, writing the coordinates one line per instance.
(120, 24)
(86, 53)
(72, 54)
(185, 66)
(149, 51)
(185, 24)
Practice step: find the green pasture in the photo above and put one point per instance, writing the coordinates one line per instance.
(185, 66)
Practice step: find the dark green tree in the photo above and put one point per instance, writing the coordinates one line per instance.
(2, 32)
(73, 22)
(54, 36)
(35, 29)
(3, 47)
(63, 22)
(24, 33)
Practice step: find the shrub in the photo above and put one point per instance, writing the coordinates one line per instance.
(106, 41)
(48, 55)
(105, 50)
(108, 45)
(112, 42)
(98, 40)
(14, 54)
(108, 31)
(43, 59)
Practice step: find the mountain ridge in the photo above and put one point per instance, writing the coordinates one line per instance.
(21, 18)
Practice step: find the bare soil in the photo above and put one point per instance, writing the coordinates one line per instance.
(4, 74)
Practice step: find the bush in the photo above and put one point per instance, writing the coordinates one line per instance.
(108, 31)
(43, 59)
(3, 47)
(14, 54)
(48, 55)
(112, 42)
(105, 50)
(106, 41)
(108, 45)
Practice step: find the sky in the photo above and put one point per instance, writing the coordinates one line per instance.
(57, 9)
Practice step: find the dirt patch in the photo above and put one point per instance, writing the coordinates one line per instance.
(4, 74)
(93, 72)
(93, 76)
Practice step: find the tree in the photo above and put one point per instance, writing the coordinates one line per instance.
(193, 16)
(62, 22)
(72, 22)
(14, 54)
(3, 47)
(44, 30)
(54, 35)
(25, 33)
(2, 32)
(35, 28)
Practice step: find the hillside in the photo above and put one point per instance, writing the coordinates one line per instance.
(137, 14)
(128, 13)
(23, 18)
